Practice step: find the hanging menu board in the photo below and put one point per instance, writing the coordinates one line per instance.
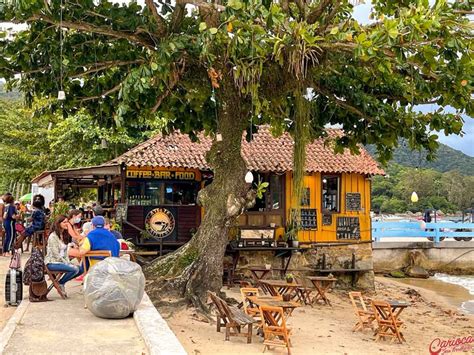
(348, 228)
(327, 219)
(121, 213)
(308, 218)
(353, 201)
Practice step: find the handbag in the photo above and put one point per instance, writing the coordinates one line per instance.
(38, 291)
(15, 262)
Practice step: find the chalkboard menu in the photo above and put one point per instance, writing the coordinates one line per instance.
(327, 219)
(308, 218)
(353, 201)
(121, 213)
(348, 228)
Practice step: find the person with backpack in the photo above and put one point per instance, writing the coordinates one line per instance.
(9, 219)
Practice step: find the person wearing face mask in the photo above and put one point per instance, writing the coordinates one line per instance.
(74, 217)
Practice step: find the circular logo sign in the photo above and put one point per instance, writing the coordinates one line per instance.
(160, 222)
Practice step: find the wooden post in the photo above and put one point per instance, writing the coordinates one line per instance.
(123, 170)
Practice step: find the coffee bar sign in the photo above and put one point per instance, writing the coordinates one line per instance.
(161, 174)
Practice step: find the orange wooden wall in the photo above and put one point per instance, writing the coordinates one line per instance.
(349, 183)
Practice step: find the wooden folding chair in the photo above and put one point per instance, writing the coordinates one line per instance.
(232, 318)
(388, 325)
(305, 292)
(86, 258)
(275, 332)
(40, 241)
(54, 277)
(250, 308)
(243, 283)
(366, 317)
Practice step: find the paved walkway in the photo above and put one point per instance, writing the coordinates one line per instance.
(66, 327)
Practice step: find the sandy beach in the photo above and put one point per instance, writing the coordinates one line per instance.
(328, 330)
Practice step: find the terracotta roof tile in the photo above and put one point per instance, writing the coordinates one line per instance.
(264, 153)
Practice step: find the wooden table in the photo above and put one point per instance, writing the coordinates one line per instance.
(280, 287)
(322, 284)
(259, 272)
(397, 308)
(288, 306)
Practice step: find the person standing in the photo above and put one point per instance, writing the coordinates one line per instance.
(9, 219)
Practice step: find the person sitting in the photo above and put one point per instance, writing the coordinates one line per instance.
(37, 220)
(98, 238)
(75, 217)
(97, 210)
(108, 226)
(57, 252)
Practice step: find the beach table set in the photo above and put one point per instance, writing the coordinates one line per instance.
(322, 284)
(386, 314)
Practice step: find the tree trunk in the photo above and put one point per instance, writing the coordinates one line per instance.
(198, 266)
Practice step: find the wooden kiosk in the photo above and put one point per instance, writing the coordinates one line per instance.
(158, 182)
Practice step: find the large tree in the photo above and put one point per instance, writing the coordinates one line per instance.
(224, 66)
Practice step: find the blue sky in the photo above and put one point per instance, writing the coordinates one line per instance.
(465, 143)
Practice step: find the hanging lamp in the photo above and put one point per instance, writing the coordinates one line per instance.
(249, 177)
(414, 197)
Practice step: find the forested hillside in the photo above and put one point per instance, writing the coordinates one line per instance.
(447, 159)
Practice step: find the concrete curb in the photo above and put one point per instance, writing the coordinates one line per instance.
(156, 333)
(10, 327)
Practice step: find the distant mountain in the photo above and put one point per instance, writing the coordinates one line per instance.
(10, 95)
(447, 159)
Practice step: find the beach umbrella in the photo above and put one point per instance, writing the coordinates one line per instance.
(26, 198)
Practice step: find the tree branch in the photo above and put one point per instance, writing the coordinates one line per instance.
(332, 14)
(314, 15)
(340, 102)
(202, 4)
(162, 29)
(464, 12)
(87, 27)
(105, 65)
(177, 16)
(176, 75)
(105, 93)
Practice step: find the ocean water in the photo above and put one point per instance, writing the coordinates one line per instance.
(466, 281)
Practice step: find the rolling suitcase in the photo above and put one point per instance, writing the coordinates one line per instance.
(13, 287)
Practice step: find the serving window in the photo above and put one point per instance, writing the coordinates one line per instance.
(158, 193)
(331, 193)
(268, 210)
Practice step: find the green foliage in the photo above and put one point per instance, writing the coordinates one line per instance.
(449, 192)
(261, 188)
(60, 208)
(33, 143)
(130, 66)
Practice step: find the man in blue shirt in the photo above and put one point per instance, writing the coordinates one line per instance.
(98, 238)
